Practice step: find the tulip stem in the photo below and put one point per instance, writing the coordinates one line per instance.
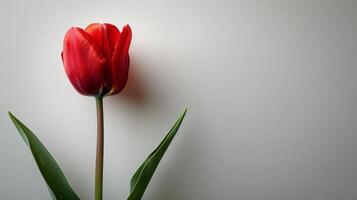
(100, 150)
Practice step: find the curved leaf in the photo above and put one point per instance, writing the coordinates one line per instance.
(143, 175)
(51, 172)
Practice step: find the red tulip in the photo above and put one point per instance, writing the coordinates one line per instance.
(96, 59)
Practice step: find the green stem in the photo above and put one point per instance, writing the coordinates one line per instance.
(100, 150)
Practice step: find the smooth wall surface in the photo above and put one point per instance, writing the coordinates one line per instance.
(270, 86)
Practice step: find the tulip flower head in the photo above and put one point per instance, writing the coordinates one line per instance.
(96, 59)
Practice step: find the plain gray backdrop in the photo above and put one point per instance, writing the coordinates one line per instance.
(270, 86)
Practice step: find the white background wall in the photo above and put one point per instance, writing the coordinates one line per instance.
(270, 86)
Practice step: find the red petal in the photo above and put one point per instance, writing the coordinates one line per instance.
(120, 60)
(112, 37)
(83, 62)
(106, 36)
(97, 33)
(123, 44)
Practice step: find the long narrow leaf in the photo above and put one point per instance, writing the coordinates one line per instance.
(143, 175)
(50, 170)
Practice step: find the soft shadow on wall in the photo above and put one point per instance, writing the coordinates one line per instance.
(145, 95)
(134, 95)
(134, 91)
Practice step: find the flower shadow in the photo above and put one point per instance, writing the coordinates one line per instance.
(134, 96)
(134, 91)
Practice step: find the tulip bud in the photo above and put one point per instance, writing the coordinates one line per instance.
(96, 59)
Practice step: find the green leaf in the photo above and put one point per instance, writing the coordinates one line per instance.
(143, 175)
(51, 172)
